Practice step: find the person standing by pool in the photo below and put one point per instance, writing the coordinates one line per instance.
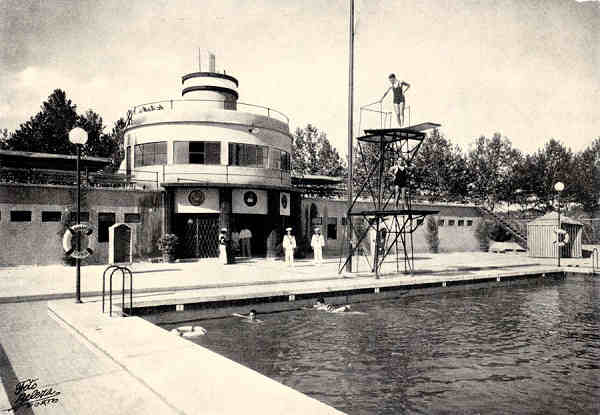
(289, 245)
(245, 237)
(317, 243)
(398, 88)
(223, 246)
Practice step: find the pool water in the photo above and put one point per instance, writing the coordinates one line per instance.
(527, 350)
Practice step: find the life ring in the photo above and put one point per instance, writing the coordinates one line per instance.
(565, 238)
(70, 247)
(189, 331)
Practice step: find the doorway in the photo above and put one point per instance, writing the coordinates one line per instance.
(198, 235)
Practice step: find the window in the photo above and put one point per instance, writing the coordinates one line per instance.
(83, 217)
(451, 222)
(204, 152)
(248, 155)
(469, 223)
(331, 228)
(51, 216)
(105, 221)
(440, 222)
(275, 159)
(132, 218)
(461, 222)
(150, 154)
(20, 216)
(128, 161)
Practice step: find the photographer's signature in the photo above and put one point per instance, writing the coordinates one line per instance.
(28, 395)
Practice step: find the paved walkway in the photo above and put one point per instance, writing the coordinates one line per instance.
(34, 346)
(57, 281)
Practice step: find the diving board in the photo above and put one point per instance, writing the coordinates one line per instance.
(390, 135)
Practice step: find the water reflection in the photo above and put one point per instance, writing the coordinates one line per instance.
(504, 350)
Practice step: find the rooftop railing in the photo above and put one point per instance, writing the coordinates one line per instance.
(69, 178)
(174, 104)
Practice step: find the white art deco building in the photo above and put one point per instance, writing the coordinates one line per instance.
(219, 162)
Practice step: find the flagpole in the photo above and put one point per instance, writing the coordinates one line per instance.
(350, 128)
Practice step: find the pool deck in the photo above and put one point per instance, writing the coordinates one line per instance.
(31, 283)
(127, 365)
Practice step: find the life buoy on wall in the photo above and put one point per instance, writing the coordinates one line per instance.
(561, 240)
(70, 245)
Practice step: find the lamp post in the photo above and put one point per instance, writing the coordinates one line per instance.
(78, 136)
(559, 187)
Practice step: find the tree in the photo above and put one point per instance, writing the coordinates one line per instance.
(586, 187)
(117, 135)
(491, 163)
(539, 173)
(312, 153)
(3, 137)
(440, 169)
(48, 130)
(432, 234)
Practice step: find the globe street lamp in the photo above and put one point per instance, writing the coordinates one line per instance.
(559, 187)
(78, 136)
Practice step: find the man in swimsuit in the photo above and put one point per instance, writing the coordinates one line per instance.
(398, 87)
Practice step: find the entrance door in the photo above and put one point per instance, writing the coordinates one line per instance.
(260, 226)
(198, 235)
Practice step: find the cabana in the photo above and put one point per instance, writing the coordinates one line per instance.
(541, 234)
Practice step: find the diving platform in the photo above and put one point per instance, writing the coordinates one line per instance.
(386, 227)
(391, 135)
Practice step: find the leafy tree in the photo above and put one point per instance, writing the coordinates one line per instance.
(432, 234)
(441, 169)
(48, 130)
(586, 187)
(312, 153)
(540, 171)
(3, 137)
(117, 135)
(491, 163)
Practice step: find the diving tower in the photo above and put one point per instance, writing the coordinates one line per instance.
(392, 225)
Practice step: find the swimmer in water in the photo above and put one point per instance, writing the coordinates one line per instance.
(251, 316)
(330, 308)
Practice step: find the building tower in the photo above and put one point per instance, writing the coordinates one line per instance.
(219, 162)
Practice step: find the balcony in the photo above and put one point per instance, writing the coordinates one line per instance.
(170, 109)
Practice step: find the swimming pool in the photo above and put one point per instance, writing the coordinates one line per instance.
(525, 349)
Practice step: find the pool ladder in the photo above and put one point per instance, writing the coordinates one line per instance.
(595, 260)
(124, 271)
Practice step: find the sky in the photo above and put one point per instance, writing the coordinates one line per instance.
(528, 69)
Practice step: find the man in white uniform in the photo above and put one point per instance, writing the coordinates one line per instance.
(317, 242)
(289, 245)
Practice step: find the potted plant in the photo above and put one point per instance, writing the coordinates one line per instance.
(167, 244)
(432, 235)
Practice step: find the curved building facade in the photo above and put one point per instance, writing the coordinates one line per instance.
(220, 163)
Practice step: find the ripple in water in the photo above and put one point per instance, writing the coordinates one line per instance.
(527, 350)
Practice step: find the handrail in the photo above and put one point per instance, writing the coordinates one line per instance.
(123, 270)
(595, 260)
(170, 102)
